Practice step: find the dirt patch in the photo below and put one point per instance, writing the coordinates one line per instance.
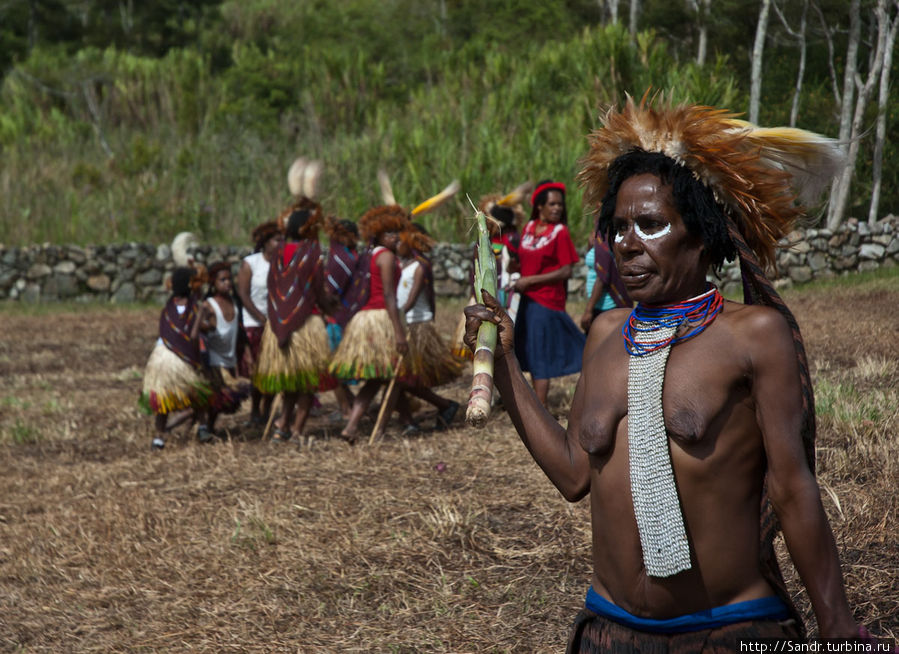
(453, 541)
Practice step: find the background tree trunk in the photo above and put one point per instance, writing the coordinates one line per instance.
(840, 198)
(634, 15)
(800, 74)
(755, 83)
(881, 128)
(701, 9)
(834, 216)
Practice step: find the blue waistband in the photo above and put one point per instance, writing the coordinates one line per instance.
(765, 608)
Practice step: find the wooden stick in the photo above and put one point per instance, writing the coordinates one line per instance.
(276, 406)
(385, 402)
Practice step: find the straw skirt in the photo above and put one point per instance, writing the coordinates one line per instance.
(171, 384)
(299, 367)
(429, 362)
(367, 349)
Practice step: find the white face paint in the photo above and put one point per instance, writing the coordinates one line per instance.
(650, 237)
(643, 236)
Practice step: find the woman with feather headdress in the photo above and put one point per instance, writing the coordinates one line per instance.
(692, 425)
(294, 355)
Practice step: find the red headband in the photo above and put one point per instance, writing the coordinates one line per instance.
(548, 186)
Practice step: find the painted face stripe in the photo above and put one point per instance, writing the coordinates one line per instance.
(643, 236)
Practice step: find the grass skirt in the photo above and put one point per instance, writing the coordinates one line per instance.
(368, 347)
(170, 384)
(301, 366)
(430, 362)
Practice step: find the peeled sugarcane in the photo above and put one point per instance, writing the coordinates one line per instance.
(479, 399)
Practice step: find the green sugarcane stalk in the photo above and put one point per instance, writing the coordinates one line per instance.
(479, 400)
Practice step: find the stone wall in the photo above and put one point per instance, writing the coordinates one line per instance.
(135, 272)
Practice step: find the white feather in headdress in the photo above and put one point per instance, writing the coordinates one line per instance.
(311, 176)
(386, 190)
(182, 245)
(295, 175)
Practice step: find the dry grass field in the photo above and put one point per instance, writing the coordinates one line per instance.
(452, 541)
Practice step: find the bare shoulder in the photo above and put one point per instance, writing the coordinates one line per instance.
(606, 324)
(757, 328)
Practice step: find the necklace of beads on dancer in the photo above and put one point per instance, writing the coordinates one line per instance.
(696, 313)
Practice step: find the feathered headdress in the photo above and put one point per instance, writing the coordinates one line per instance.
(428, 205)
(511, 201)
(183, 246)
(303, 179)
(761, 176)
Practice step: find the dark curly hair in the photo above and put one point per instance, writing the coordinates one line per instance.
(702, 215)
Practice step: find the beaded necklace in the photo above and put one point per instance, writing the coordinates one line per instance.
(699, 312)
(648, 336)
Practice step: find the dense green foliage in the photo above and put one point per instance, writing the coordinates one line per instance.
(122, 120)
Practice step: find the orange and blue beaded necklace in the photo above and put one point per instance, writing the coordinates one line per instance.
(696, 313)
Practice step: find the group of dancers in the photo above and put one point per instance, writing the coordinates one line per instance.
(301, 322)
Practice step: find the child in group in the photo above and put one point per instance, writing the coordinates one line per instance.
(343, 236)
(218, 322)
(252, 289)
(174, 377)
(430, 362)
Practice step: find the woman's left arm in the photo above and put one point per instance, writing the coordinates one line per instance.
(558, 275)
(418, 283)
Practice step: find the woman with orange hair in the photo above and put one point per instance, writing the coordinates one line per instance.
(374, 339)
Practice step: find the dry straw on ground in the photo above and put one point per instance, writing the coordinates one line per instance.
(449, 542)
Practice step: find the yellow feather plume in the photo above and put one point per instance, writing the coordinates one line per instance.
(517, 195)
(437, 200)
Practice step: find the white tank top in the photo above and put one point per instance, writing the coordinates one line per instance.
(222, 340)
(258, 288)
(421, 310)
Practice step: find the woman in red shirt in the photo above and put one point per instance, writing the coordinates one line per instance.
(547, 341)
(375, 336)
